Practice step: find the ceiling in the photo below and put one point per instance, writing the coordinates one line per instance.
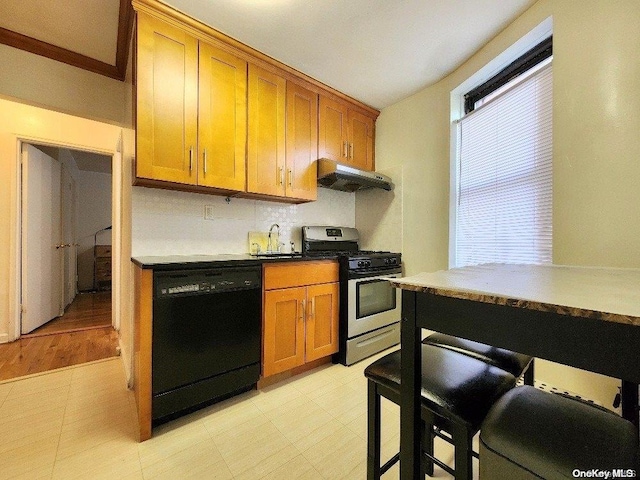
(89, 34)
(377, 51)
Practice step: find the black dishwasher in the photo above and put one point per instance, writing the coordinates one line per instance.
(206, 337)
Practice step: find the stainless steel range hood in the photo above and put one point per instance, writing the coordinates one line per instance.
(338, 176)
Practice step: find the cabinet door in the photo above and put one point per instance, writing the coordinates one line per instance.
(360, 140)
(266, 140)
(302, 142)
(167, 102)
(332, 134)
(323, 311)
(222, 121)
(283, 340)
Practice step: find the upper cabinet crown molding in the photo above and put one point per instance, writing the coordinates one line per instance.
(219, 39)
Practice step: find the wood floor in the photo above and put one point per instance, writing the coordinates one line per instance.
(83, 334)
(39, 354)
(88, 310)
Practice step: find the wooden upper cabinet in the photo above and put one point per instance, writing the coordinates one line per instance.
(266, 137)
(360, 133)
(332, 134)
(167, 102)
(222, 127)
(215, 116)
(345, 134)
(302, 143)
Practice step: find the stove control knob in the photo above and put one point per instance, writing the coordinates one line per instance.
(387, 261)
(361, 263)
(367, 263)
(394, 261)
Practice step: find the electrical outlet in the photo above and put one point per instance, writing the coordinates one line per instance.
(209, 213)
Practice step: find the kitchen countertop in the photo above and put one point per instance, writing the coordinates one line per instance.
(610, 294)
(173, 262)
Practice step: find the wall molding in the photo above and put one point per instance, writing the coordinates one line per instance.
(59, 54)
(4, 338)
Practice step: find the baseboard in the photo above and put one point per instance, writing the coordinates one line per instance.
(4, 338)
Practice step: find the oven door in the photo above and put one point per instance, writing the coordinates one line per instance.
(372, 303)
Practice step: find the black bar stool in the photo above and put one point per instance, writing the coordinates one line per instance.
(530, 434)
(457, 392)
(515, 363)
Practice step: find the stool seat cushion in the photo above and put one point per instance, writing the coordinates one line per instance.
(454, 386)
(513, 362)
(551, 436)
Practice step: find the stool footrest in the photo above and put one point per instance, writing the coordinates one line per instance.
(441, 464)
(390, 463)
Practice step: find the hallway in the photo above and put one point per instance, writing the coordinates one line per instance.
(88, 310)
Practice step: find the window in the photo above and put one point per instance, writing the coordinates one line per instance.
(504, 177)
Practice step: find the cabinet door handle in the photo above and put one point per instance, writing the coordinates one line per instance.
(204, 164)
(302, 313)
(190, 158)
(345, 149)
(351, 150)
(281, 175)
(312, 311)
(290, 177)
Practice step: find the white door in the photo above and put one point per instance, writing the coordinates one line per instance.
(42, 270)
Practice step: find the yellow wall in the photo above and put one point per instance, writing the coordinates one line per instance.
(23, 122)
(43, 82)
(596, 152)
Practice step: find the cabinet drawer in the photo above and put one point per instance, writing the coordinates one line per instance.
(103, 264)
(295, 274)
(103, 250)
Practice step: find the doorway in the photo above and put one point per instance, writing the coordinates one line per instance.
(66, 241)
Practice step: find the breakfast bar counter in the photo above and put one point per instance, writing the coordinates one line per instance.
(586, 317)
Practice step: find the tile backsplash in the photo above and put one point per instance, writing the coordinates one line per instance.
(167, 222)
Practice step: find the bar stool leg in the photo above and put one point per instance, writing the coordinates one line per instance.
(529, 374)
(428, 437)
(463, 458)
(373, 432)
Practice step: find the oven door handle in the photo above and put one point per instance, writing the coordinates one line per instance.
(395, 273)
(376, 277)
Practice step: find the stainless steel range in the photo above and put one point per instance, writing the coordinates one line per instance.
(369, 306)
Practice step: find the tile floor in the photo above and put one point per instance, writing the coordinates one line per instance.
(80, 423)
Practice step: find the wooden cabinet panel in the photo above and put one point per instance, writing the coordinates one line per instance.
(266, 137)
(332, 134)
(321, 326)
(302, 142)
(222, 126)
(167, 101)
(283, 338)
(360, 129)
(294, 274)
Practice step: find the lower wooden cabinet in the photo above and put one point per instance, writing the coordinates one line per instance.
(300, 322)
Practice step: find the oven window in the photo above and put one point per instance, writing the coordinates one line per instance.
(374, 296)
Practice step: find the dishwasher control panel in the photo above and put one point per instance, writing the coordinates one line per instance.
(170, 284)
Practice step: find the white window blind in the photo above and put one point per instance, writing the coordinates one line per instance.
(504, 193)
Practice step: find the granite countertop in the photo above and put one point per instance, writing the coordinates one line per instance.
(611, 294)
(172, 262)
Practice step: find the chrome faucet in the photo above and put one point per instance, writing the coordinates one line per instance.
(269, 247)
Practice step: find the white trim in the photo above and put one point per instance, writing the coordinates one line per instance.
(4, 337)
(15, 287)
(519, 48)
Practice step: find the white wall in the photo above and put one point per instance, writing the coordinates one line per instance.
(94, 213)
(166, 222)
(596, 147)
